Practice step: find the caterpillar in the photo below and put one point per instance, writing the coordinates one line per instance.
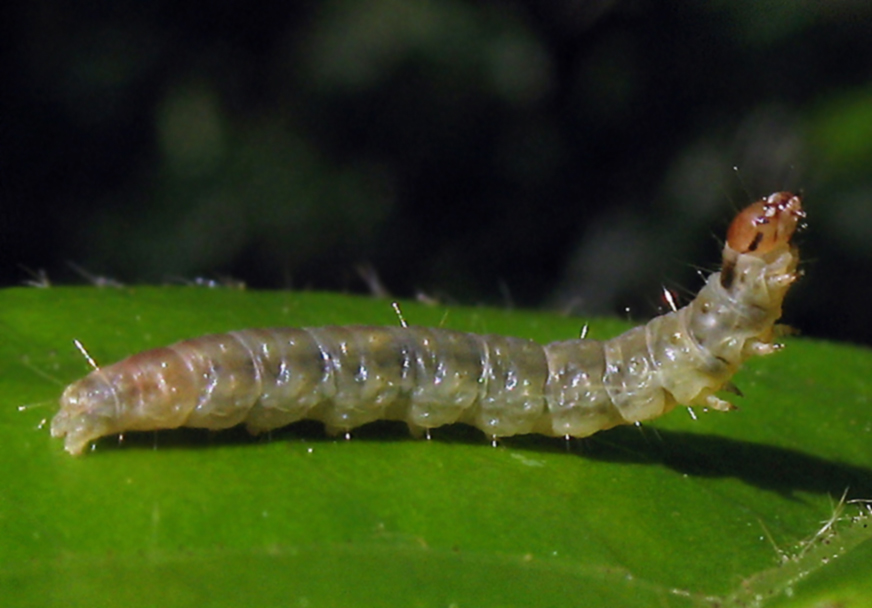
(349, 376)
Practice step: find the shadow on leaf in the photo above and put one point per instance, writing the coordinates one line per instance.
(767, 467)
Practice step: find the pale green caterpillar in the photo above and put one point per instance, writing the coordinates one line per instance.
(348, 376)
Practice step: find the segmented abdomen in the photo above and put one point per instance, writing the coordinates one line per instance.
(348, 376)
(342, 376)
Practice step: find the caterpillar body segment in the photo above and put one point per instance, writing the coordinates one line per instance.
(349, 376)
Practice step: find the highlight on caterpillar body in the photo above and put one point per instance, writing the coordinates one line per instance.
(426, 377)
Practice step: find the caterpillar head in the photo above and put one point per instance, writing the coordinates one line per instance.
(758, 248)
(766, 225)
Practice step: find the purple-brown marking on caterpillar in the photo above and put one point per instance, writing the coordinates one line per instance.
(348, 376)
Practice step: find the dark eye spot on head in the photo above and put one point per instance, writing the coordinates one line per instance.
(752, 246)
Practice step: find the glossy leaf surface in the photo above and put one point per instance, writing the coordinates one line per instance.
(716, 511)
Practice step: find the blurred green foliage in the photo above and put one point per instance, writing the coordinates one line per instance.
(566, 154)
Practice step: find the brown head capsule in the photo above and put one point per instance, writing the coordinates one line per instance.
(762, 229)
(766, 225)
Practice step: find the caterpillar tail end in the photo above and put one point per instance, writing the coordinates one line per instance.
(76, 436)
(87, 413)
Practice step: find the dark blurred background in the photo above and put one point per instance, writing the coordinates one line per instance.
(573, 155)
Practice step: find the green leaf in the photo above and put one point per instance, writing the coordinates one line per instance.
(722, 510)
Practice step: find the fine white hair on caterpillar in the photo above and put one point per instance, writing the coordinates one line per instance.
(428, 377)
